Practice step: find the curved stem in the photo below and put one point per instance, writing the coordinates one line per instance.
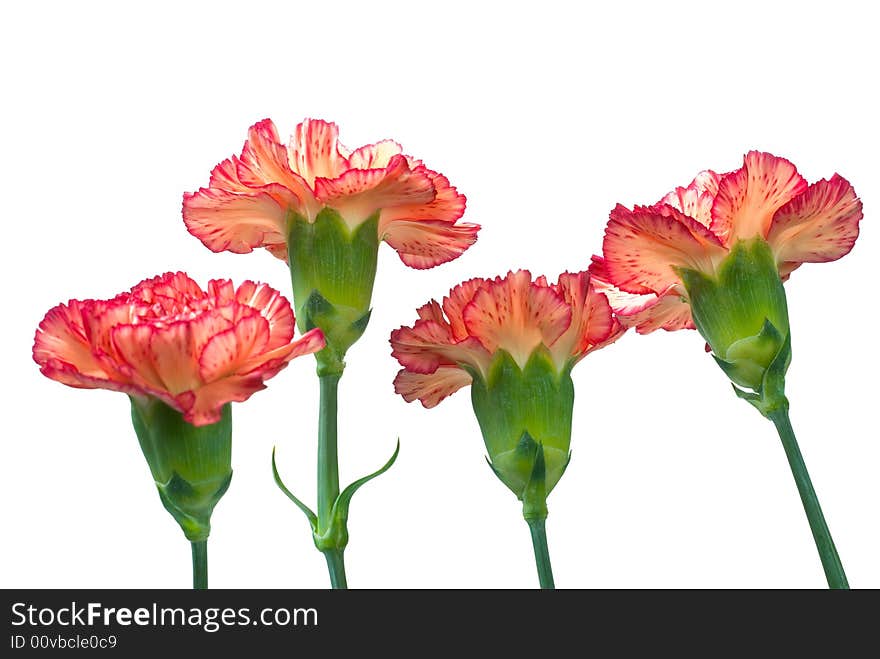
(542, 553)
(200, 565)
(824, 543)
(328, 472)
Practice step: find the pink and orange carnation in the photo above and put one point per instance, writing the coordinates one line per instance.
(695, 227)
(480, 317)
(193, 349)
(252, 198)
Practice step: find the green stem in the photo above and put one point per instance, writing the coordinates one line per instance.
(328, 472)
(328, 463)
(542, 553)
(200, 565)
(827, 552)
(336, 567)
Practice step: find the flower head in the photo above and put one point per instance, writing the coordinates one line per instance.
(515, 341)
(251, 199)
(461, 337)
(167, 339)
(695, 228)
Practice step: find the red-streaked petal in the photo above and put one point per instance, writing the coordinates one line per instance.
(374, 156)
(430, 388)
(696, 199)
(61, 338)
(427, 345)
(455, 302)
(131, 345)
(221, 291)
(147, 342)
(818, 226)
(620, 301)
(171, 348)
(68, 375)
(204, 405)
(225, 177)
(592, 321)
(264, 161)
(642, 247)
(515, 315)
(427, 243)
(273, 306)
(668, 312)
(238, 223)
(447, 205)
(226, 351)
(432, 311)
(314, 151)
(748, 197)
(358, 193)
(272, 361)
(170, 287)
(647, 312)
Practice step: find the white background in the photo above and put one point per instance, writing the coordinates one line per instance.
(545, 115)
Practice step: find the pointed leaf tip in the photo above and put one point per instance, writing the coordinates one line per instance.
(313, 519)
(343, 501)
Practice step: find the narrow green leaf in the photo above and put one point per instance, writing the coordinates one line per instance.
(343, 501)
(313, 519)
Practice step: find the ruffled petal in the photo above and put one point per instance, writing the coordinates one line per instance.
(748, 197)
(374, 156)
(358, 193)
(68, 375)
(168, 339)
(272, 306)
(425, 234)
(61, 339)
(270, 362)
(226, 221)
(667, 312)
(696, 199)
(425, 244)
(647, 312)
(431, 311)
(818, 226)
(447, 205)
(171, 290)
(239, 379)
(133, 354)
(225, 176)
(643, 246)
(515, 315)
(225, 351)
(430, 388)
(314, 151)
(264, 161)
(204, 405)
(455, 302)
(171, 352)
(429, 344)
(592, 321)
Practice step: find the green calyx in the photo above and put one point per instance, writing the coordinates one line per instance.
(525, 417)
(191, 466)
(743, 315)
(332, 268)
